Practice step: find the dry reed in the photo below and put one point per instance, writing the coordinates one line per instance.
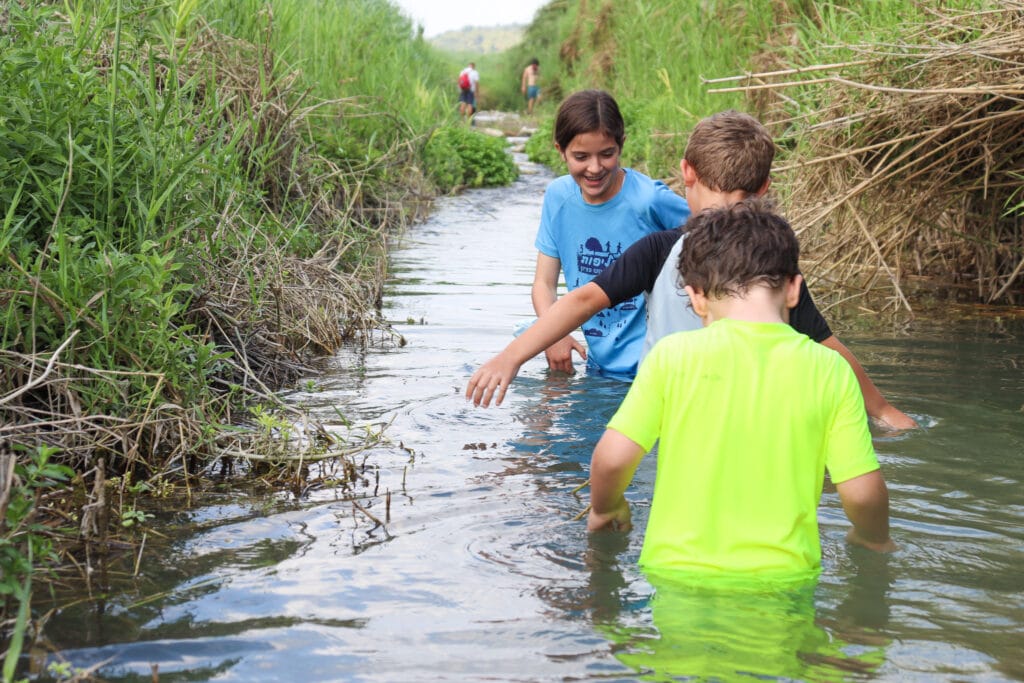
(909, 164)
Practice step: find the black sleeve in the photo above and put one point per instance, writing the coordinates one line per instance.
(806, 318)
(637, 269)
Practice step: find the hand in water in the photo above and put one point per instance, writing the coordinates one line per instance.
(854, 538)
(616, 519)
(894, 419)
(491, 380)
(559, 354)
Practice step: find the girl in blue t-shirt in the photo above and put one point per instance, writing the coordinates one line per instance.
(589, 217)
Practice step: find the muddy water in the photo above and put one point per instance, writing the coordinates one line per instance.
(479, 570)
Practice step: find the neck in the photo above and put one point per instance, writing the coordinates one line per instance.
(714, 200)
(758, 305)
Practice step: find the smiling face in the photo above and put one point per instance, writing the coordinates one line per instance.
(593, 162)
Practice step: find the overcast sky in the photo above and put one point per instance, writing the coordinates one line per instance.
(438, 16)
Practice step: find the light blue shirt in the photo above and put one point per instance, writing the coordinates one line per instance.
(587, 237)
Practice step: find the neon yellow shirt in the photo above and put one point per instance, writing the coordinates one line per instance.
(748, 416)
(743, 628)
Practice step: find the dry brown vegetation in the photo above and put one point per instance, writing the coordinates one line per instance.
(910, 168)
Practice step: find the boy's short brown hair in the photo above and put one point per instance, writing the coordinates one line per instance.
(728, 250)
(731, 151)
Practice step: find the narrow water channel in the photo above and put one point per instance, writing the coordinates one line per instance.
(480, 571)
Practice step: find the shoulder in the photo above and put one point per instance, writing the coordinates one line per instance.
(639, 190)
(662, 243)
(560, 201)
(654, 248)
(654, 198)
(561, 188)
(640, 261)
(639, 182)
(563, 180)
(677, 348)
(827, 363)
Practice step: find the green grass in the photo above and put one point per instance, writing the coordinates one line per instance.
(170, 174)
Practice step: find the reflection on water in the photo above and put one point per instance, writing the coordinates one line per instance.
(482, 572)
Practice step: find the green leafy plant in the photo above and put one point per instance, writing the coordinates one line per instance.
(540, 147)
(133, 516)
(65, 671)
(459, 157)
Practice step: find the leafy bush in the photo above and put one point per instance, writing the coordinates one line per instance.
(459, 157)
(540, 148)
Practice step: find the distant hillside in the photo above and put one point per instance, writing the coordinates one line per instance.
(479, 40)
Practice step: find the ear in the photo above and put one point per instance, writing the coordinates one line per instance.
(792, 290)
(698, 301)
(764, 188)
(561, 152)
(689, 173)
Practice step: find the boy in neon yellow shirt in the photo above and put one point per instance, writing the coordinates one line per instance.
(749, 414)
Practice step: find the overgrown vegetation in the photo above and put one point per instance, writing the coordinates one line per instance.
(906, 156)
(194, 207)
(460, 157)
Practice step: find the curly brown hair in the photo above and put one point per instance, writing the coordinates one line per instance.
(728, 250)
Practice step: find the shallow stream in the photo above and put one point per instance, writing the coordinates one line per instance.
(480, 571)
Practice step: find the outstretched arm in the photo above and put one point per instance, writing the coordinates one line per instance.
(874, 403)
(866, 504)
(612, 466)
(493, 377)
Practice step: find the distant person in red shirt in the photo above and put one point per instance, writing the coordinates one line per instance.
(469, 86)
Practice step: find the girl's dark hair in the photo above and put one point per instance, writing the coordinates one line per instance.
(589, 111)
(730, 249)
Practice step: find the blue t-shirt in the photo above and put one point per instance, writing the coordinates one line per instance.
(586, 238)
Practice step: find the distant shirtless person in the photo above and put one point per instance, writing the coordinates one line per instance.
(529, 84)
